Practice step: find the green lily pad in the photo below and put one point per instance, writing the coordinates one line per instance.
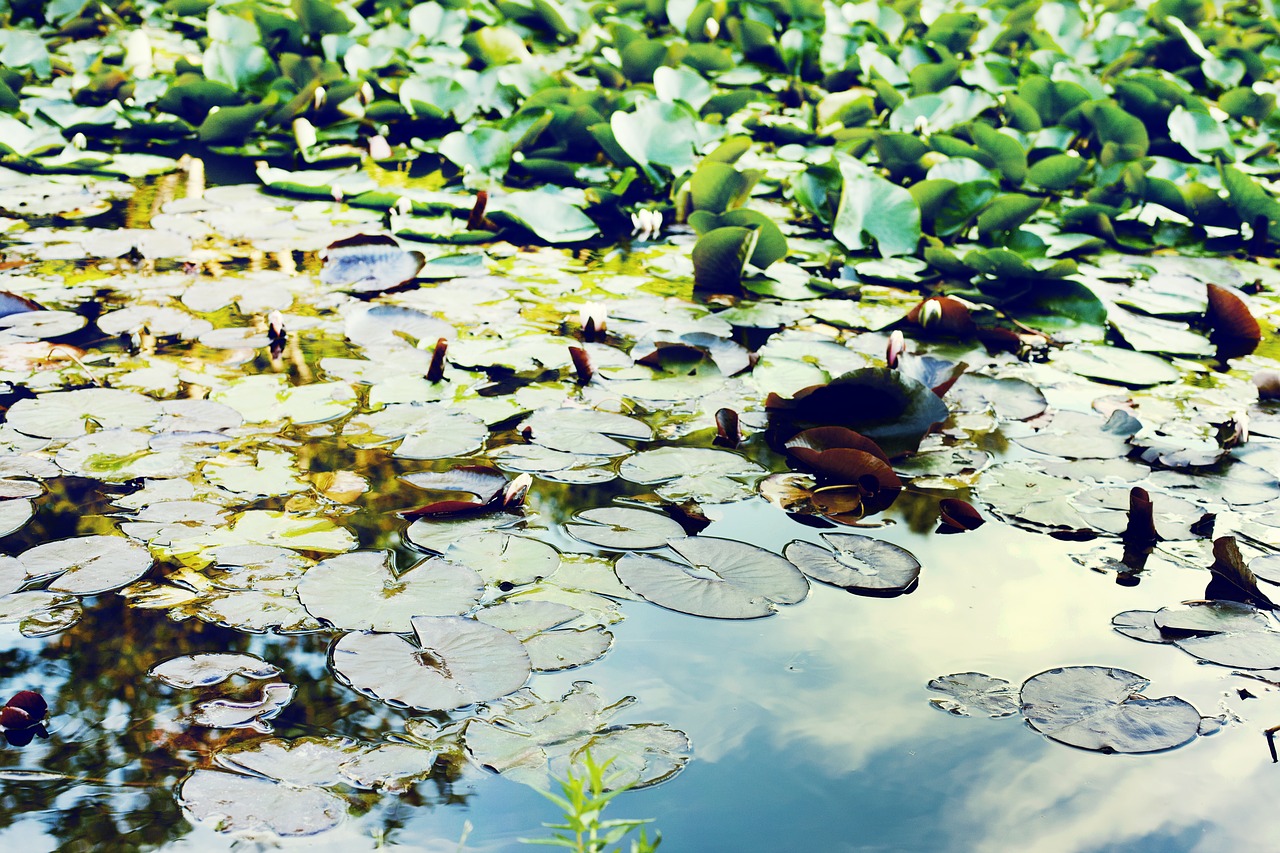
(718, 578)
(1101, 708)
(455, 662)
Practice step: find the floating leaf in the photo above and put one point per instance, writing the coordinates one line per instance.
(537, 741)
(236, 803)
(361, 591)
(1227, 633)
(254, 714)
(542, 627)
(67, 414)
(209, 668)
(369, 263)
(693, 473)
(585, 431)
(857, 563)
(1101, 708)
(623, 529)
(718, 578)
(456, 662)
(87, 565)
(972, 693)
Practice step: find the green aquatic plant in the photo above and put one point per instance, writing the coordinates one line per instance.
(585, 793)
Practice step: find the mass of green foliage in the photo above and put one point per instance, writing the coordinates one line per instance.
(990, 140)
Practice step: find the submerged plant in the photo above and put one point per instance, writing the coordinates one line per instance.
(584, 795)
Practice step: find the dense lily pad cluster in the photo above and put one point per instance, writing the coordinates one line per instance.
(1002, 262)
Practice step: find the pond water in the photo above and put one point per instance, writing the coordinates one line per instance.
(810, 729)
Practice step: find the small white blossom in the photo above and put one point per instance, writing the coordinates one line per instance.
(646, 224)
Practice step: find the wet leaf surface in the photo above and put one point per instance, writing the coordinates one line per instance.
(455, 662)
(714, 577)
(857, 563)
(1101, 708)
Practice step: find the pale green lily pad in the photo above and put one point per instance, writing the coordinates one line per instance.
(1101, 708)
(67, 414)
(438, 535)
(119, 455)
(554, 465)
(502, 559)
(271, 527)
(537, 741)
(87, 565)
(694, 473)
(254, 714)
(718, 578)
(544, 628)
(206, 669)
(857, 563)
(972, 694)
(233, 803)
(1117, 366)
(455, 662)
(272, 472)
(390, 767)
(361, 591)
(39, 613)
(585, 431)
(267, 397)
(270, 605)
(428, 431)
(14, 514)
(623, 529)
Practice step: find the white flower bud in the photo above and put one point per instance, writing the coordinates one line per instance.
(304, 132)
(379, 148)
(137, 54)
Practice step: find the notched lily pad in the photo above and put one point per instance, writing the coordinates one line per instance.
(233, 802)
(87, 565)
(857, 563)
(623, 529)
(361, 591)
(718, 578)
(1101, 708)
(455, 662)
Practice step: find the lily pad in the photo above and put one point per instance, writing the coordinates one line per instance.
(87, 565)
(253, 714)
(718, 578)
(1226, 633)
(1101, 708)
(504, 560)
(233, 802)
(367, 263)
(585, 431)
(361, 591)
(693, 473)
(209, 668)
(67, 414)
(543, 626)
(972, 693)
(456, 662)
(623, 529)
(857, 563)
(536, 741)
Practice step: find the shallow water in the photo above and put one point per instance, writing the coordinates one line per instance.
(811, 729)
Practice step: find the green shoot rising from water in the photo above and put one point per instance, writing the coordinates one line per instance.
(585, 796)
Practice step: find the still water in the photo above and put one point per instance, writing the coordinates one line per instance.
(811, 729)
